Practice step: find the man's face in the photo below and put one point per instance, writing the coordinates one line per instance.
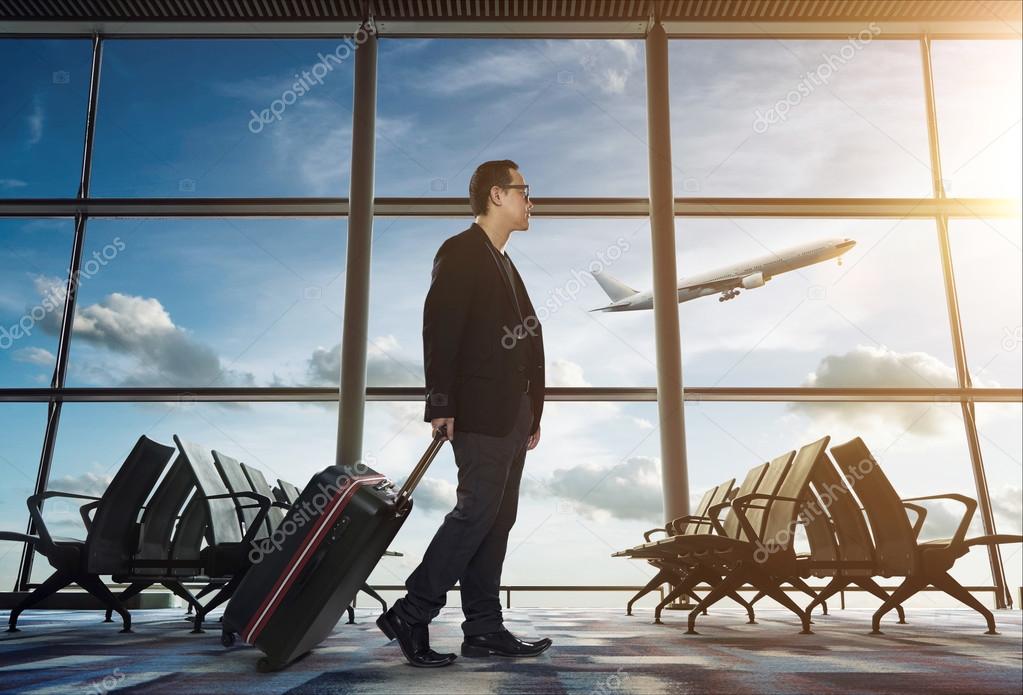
(515, 206)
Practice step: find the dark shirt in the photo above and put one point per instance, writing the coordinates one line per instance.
(524, 346)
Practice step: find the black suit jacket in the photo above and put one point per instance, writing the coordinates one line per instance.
(469, 324)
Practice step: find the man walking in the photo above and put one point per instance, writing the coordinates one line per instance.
(483, 355)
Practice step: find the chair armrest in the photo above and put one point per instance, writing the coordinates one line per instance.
(970, 505)
(712, 514)
(921, 514)
(18, 537)
(739, 504)
(264, 506)
(647, 534)
(35, 511)
(84, 511)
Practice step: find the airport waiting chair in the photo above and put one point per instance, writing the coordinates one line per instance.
(260, 486)
(694, 523)
(288, 492)
(765, 554)
(111, 532)
(227, 554)
(237, 481)
(766, 476)
(899, 553)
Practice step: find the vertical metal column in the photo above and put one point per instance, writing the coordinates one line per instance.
(671, 416)
(1002, 596)
(352, 405)
(64, 341)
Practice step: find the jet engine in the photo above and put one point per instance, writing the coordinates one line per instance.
(752, 281)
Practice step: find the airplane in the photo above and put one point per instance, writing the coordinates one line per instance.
(727, 281)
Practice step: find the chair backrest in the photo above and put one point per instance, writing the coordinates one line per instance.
(221, 514)
(189, 535)
(113, 534)
(275, 515)
(701, 510)
(748, 486)
(782, 515)
(713, 496)
(234, 477)
(291, 492)
(778, 471)
(158, 520)
(850, 529)
(894, 540)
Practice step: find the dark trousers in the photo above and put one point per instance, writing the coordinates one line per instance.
(470, 545)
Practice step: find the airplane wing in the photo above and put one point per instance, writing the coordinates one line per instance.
(718, 285)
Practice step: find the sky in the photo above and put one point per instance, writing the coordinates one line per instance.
(231, 302)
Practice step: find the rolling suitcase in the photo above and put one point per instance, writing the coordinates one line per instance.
(306, 574)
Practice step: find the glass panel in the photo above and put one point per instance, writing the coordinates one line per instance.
(1000, 426)
(977, 92)
(182, 302)
(798, 118)
(554, 259)
(45, 85)
(290, 441)
(591, 487)
(988, 259)
(210, 118)
(34, 259)
(23, 425)
(877, 319)
(571, 113)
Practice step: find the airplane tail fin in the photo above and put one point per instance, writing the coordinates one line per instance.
(615, 289)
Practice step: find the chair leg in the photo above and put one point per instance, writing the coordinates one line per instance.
(772, 588)
(367, 589)
(134, 589)
(95, 586)
(756, 597)
(224, 594)
(953, 588)
(351, 615)
(726, 586)
(748, 605)
(871, 586)
(184, 594)
(808, 590)
(660, 578)
(834, 586)
(909, 587)
(54, 583)
(671, 596)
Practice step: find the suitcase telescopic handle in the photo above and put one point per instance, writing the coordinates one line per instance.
(440, 436)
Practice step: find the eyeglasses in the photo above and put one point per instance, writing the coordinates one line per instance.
(523, 187)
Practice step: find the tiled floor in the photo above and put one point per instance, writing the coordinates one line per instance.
(595, 651)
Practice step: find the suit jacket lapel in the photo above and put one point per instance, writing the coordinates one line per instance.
(495, 257)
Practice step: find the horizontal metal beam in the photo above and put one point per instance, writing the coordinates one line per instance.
(920, 208)
(501, 27)
(596, 393)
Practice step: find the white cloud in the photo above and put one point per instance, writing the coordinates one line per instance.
(562, 372)
(867, 366)
(386, 365)
(628, 490)
(35, 355)
(434, 494)
(36, 120)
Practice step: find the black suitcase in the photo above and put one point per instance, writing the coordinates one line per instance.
(307, 573)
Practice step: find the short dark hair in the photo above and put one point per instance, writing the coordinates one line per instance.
(488, 174)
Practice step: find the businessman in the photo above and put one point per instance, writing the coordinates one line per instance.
(483, 356)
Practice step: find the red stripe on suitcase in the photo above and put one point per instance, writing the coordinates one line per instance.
(302, 555)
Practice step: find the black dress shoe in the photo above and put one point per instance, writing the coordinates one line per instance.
(502, 643)
(414, 640)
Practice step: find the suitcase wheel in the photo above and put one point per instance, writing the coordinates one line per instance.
(227, 638)
(265, 665)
